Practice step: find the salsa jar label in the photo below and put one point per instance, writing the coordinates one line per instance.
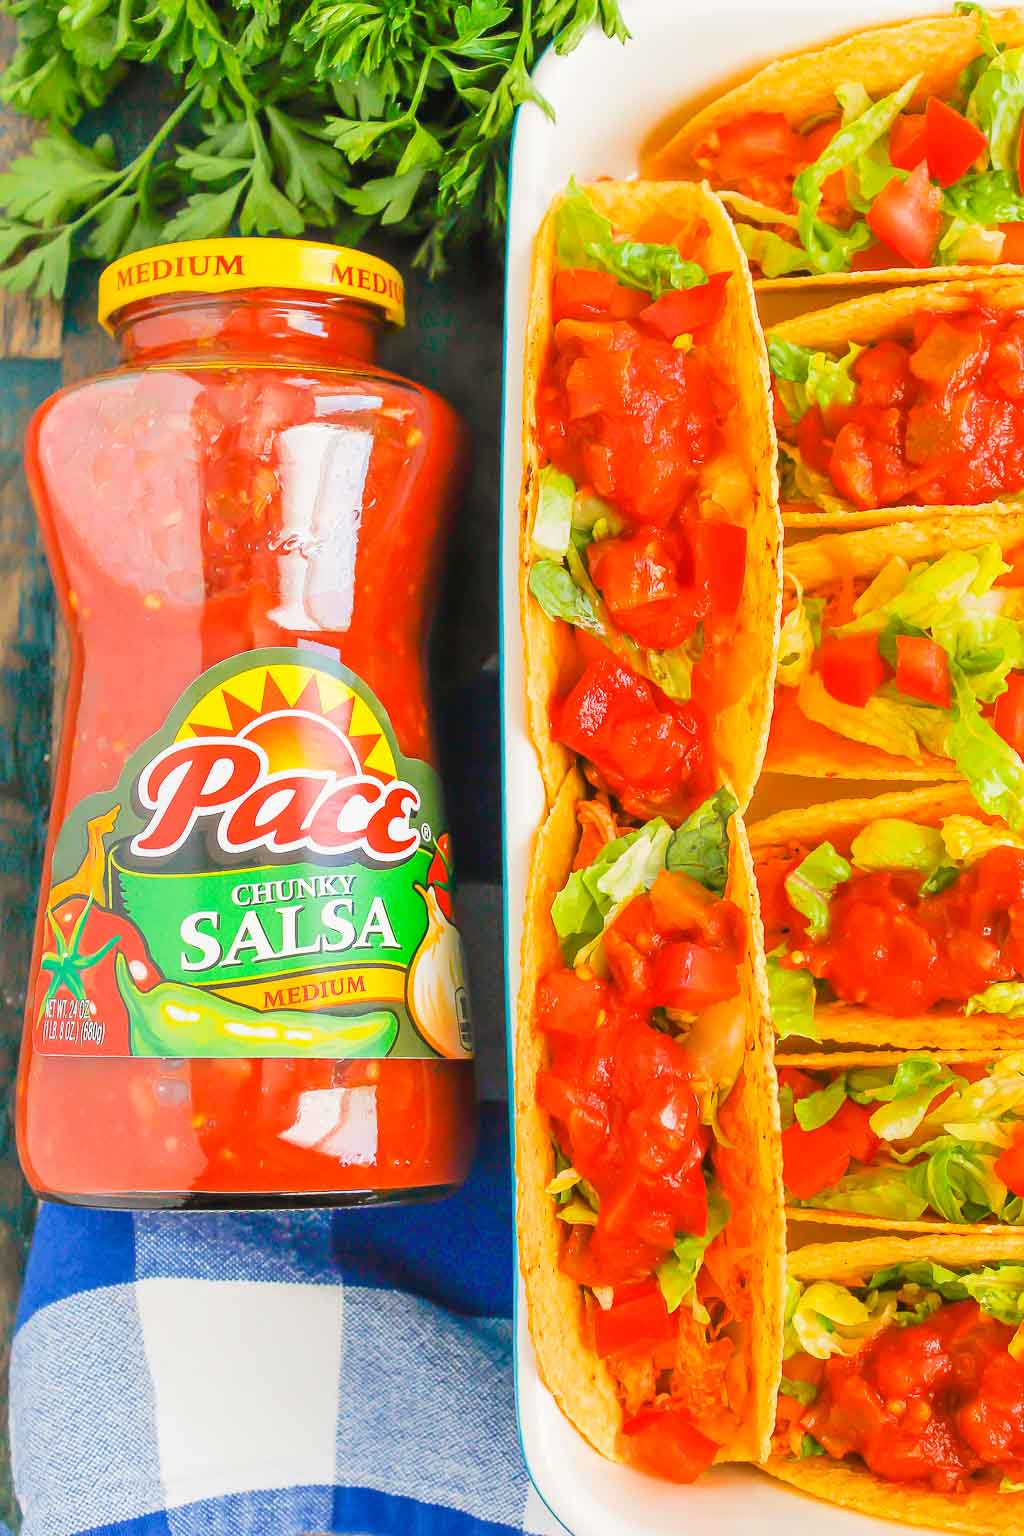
(269, 877)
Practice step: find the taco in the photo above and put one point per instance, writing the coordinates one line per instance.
(920, 1142)
(902, 1389)
(911, 400)
(897, 920)
(651, 541)
(886, 153)
(902, 656)
(650, 1226)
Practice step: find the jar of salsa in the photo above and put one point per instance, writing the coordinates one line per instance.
(247, 986)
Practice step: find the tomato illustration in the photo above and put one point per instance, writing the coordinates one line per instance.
(77, 999)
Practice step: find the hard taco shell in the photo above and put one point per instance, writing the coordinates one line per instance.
(579, 1381)
(890, 316)
(983, 1511)
(740, 721)
(838, 822)
(799, 745)
(803, 88)
(799, 1216)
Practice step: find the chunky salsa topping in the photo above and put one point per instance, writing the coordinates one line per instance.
(908, 180)
(935, 418)
(638, 540)
(915, 916)
(923, 1138)
(645, 1030)
(918, 1374)
(918, 659)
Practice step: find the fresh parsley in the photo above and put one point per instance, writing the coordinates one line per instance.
(335, 115)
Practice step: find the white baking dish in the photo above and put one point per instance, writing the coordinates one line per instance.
(607, 99)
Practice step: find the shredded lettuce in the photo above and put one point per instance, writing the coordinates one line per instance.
(623, 869)
(791, 995)
(934, 591)
(997, 1288)
(1003, 997)
(881, 722)
(797, 642)
(846, 148)
(960, 1183)
(552, 527)
(560, 597)
(775, 257)
(967, 839)
(990, 765)
(888, 1193)
(806, 378)
(677, 1275)
(586, 239)
(868, 174)
(890, 844)
(985, 198)
(811, 886)
(829, 1319)
(818, 1108)
(700, 847)
(801, 483)
(996, 105)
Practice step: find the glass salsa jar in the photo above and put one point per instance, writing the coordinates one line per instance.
(247, 988)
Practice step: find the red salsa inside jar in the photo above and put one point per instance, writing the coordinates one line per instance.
(247, 984)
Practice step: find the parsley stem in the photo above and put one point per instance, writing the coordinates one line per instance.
(137, 167)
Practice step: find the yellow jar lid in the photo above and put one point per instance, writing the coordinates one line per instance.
(221, 266)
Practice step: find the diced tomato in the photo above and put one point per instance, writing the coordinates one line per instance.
(952, 144)
(582, 294)
(630, 968)
(851, 1123)
(875, 257)
(643, 743)
(852, 668)
(999, 879)
(689, 977)
(555, 1095)
(799, 1083)
(1010, 1164)
(720, 558)
(681, 904)
(907, 215)
(852, 467)
(637, 1325)
(664, 1442)
(907, 143)
(686, 309)
(812, 1160)
(950, 354)
(757, 142)
(922, 670)
(634, 570)
(883, 376)
(1008, 718)
(569, 1005)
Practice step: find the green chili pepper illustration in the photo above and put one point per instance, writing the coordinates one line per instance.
(173, 1019)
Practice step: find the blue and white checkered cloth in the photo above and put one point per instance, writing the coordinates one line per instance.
(274, 1374)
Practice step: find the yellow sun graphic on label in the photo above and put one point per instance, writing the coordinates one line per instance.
(301, 716)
